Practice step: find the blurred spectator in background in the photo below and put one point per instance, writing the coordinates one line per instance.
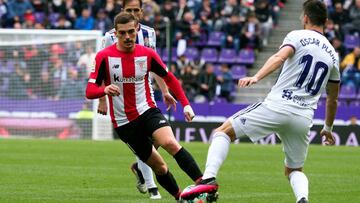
(86, 112)
(112, 8)
(330, 30)
(340, 17)
(207, 82)
(198, 65)
(184, 26)
(232, 34)
(350, 67)
(150, 9)
(19, 83)
(17, 10)
(188, 80)
(58, 74)
(160, 30)
(103, 22)
(73, 87)
(182, 62)
(4, 12)
(34, 57)
(74, 53)
(168, 10)
(263, 14)
(29, 21)
(92, 5)
(182, 9)
(354, 25)
(250, 35)
(46, 89)
(86, 60)
(226, 82)
(339, 47)
(85, 21)
(62, 23)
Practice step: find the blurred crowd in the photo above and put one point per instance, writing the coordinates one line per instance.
(243, 24)
(343, 30)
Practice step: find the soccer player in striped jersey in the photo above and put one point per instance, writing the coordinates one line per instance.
(145, 36)
(310, 65)
(124, 69)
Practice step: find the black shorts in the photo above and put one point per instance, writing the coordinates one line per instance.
(138, 133)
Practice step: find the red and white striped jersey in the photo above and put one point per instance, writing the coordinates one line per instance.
(130, 72)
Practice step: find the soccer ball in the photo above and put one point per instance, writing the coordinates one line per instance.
(199, 199)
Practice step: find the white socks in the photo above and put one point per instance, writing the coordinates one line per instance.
(299, 184)
(217, 154)
(147, 173)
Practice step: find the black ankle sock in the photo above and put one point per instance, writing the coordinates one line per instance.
(188, 164)
(168, 182)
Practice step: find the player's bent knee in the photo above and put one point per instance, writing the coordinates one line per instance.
(160, 169)
(171, 146)
(227, 129)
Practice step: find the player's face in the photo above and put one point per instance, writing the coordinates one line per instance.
(134, 8)
(126, 34)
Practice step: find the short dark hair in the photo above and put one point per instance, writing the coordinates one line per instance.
(316, 11)
(126, 1)
(123, 18)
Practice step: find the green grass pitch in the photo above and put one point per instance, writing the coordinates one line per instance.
(94, 171)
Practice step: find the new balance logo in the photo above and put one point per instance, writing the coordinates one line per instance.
(243, 120)
(116, 66)
(162, 121)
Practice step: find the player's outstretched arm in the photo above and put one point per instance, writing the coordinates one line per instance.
(273, 63)
(331, 108)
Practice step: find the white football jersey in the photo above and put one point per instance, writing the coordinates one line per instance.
(146, 36)
(305, 75)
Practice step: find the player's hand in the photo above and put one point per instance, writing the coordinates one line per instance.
(247, 81)
(329, 138)
(189, 113)
(102, 107)
(112, 90)
(169, 101)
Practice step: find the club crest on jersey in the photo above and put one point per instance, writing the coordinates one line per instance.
(141, 64)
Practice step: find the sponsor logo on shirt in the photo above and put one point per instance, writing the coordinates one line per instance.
(128, 80)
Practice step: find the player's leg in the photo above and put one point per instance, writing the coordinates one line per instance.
(165, 138)
(163, 175)
(296, 142)
(159, 129)
(247, 122)
(148, 177)
(142, 147)
(140, 181)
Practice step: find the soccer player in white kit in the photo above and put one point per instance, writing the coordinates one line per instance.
(146, 36)
(310, 65)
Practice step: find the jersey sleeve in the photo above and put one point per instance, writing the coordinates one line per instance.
(291, 40)
(335, 73)
(97, 75)
(107, 40)
(152, 39)
(159, 68)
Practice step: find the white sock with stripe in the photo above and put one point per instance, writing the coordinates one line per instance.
(217, 154)
(147, 173)
(299, 184)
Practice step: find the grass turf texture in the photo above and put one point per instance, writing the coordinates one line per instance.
(90, 171)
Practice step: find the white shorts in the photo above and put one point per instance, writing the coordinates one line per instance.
(258, 120)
